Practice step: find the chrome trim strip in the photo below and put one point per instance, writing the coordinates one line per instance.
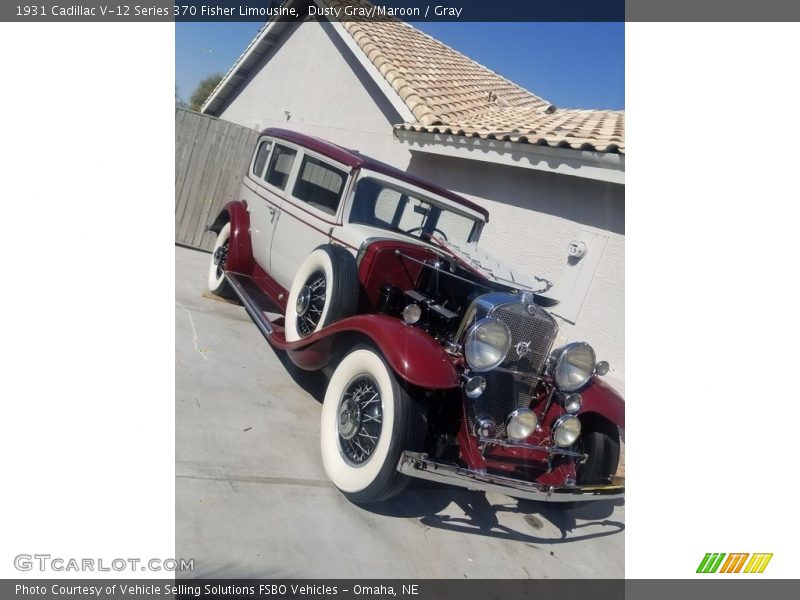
(548, 449)
(253, 311)
(415, 464)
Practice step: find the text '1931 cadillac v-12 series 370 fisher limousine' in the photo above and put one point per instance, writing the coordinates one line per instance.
(440, 360)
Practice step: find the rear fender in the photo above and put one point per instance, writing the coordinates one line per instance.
(602, 399)
(240, 253)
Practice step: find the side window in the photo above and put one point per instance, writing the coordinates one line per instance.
(320, 185)
(280, 165)
(261, 158)
(377, 205)
(386, 205)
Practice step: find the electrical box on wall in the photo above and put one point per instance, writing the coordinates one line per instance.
(582, 256)
(576, 249)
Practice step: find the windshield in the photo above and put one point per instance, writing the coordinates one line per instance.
(381, 205)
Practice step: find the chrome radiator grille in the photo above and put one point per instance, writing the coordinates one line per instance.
(532, 333)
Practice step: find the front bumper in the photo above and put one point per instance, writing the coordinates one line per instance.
(416, 464)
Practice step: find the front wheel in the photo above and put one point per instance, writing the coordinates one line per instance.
(600, 441)
(368, 420)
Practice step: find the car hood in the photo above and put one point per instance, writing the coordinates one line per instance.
(475, 258)
(470, 256)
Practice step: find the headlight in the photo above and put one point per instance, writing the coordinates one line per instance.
(521, 424)
(574, 366)
(566, 430)
(486, 344)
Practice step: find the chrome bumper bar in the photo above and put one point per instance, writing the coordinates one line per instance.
(415, 464)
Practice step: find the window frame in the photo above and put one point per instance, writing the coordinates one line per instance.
(339, 169)
(408, 189)
(261, 142)
(292, 170)
(287, 195)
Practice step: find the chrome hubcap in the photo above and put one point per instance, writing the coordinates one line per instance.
(359, 420)
(310, 303)
(303, 300)
(349, 419)
(220, 257)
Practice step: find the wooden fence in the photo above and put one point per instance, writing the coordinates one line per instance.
(211, 156)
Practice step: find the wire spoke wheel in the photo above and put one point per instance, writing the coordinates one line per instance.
(368, 420)
(325, 289)
(360, 420)
(311, 303)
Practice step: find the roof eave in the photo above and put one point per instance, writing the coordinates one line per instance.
(601, 166)
(241, 69)
(383, 85)
(267, 38)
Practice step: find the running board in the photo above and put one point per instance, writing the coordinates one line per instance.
(254, 300)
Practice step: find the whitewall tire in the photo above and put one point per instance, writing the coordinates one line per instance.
(367, 421)
(216, 269)
(325, 290)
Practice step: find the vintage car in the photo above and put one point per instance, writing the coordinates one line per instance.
(439, 358)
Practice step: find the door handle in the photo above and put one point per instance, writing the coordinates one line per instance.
(272, 213)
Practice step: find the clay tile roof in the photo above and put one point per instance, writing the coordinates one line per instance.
(452, 94)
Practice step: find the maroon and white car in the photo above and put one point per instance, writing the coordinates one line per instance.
(441, 360)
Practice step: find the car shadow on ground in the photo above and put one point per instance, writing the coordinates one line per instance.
(429, 502)
(313, 383)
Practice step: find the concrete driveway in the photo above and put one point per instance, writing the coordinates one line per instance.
(252, 499)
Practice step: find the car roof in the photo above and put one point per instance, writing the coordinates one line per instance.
(356, 160)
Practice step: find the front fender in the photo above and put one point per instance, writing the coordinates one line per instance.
(599, 397)
(240, 252)
(414, 355)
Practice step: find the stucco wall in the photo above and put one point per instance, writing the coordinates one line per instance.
(534, 214)
(307, 74)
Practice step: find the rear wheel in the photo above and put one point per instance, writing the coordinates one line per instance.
(600, 440)
(216, 269)
(325, 290)
(367, 421)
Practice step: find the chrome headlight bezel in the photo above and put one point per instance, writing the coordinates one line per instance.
(472, 354)
(564, 370)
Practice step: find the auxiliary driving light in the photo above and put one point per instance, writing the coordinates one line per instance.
(521, 424)
(412, 313)
(475, 386)
(566, 430)
(573, 403)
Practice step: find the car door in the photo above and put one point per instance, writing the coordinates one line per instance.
(310, 213)
(263, 190)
